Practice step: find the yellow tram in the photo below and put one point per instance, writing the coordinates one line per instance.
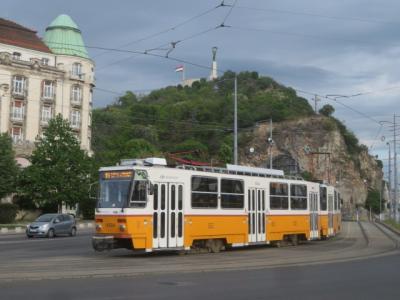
(145, 205)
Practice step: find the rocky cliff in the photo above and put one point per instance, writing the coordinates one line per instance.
(315, 148)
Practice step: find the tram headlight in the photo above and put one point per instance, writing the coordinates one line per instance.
(122, 227)
(98, 227)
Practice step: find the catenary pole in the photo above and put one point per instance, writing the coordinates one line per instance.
(396, 204)
(270, 143)
(235, 128)
(390, 183)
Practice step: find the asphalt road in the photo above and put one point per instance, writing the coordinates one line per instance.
(351, 266)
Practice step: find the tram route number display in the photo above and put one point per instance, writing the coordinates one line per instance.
(117, 174)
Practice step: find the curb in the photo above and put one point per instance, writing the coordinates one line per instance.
(19, 230)
(394, 230)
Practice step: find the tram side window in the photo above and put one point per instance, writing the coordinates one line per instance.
(322, 198)
(204, 192)
(139, 194)
(279, 195)
(336, 200)
(232, 193)
(298, 196)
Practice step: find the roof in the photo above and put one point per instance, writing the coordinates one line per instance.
(14, 34)
(64, 37)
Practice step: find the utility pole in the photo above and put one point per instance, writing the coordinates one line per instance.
(271, 143)
(396, 204)
(316, 100)
(390, 184)
(380, 200)
(235, 129)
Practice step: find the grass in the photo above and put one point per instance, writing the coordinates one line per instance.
(393, 224)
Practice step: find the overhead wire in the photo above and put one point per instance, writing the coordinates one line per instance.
(303, 35)
(310, 14)
(228, 14)
(153, 35)
(162, 32)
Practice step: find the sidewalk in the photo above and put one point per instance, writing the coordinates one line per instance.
(21, 230)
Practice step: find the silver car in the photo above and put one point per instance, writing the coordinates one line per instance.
(50, 225)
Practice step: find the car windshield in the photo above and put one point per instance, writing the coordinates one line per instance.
(45, 218)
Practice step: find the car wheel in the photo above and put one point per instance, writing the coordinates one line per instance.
(51, 234)
(29, 236)
(73, 232)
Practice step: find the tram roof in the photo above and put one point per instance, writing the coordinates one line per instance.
(216, 170)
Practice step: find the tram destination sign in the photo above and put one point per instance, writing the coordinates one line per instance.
(117, 174)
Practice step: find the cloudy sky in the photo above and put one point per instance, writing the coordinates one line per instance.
(342, 47)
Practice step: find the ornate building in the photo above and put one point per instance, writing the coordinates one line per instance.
(42, 78)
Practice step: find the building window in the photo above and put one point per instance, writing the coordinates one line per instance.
(16, 134)
(232, 193)
(19, 85)
(46, 114)
(204, 192)
(16, 55)
(76, 69)
(76, 94)
(279, 195)
(48, 89)
(45, 61)
(17, 111)
(298, 196)
(75, 118)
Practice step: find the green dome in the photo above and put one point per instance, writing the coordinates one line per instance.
(64, 37)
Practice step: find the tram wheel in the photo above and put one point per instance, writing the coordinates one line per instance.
(214, 246)
(294, 239)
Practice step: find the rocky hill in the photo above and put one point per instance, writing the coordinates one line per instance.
(316, 148)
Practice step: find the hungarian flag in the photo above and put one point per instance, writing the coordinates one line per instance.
(179, 68)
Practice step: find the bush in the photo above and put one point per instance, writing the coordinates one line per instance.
(8, 212)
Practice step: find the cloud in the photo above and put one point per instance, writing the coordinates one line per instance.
(327, 47)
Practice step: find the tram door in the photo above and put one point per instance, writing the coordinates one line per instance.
(314, 232)
(167, 215)
(256, 214)
(330, 214)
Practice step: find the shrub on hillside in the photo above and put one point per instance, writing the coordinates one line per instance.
(8, 212)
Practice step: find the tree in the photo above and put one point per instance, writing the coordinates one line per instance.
(373, 201)
(327, 110)
(8, 166)
(60, 170)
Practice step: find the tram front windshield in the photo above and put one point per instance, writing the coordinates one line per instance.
(115, 187)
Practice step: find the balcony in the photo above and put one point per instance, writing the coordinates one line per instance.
(17, 138)
(76, 126)
(74, 76)
(44, 122)
(76, 102)
(17, 116)
(48, 97)
(19, 94)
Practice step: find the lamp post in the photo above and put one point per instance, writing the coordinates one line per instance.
(235, 121)
(394, 126)
(390, 183)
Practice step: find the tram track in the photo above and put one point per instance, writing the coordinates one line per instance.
(349, 246)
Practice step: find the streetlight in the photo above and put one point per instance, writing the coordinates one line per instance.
(235, 129)
(394, 126)
(390, 182)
